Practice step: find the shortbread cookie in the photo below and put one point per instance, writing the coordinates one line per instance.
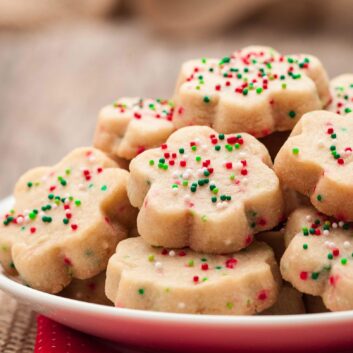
(318, 259)
(67, 220)
(143, 277)
(289, 302)
(208, 191)
(132, 125)
(255, 90)
(90, 290)
(342, 94)
(317, 161)
(314, 305)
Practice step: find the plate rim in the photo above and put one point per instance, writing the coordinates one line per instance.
(31, 295)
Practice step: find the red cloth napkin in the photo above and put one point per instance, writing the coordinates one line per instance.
(53, 337)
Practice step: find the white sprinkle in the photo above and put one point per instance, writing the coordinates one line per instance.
(341, 224)
(238, 165)
(221, 205)
(20, 219)
(187, 198)
(245, 181)
(67, 201)
(174, 191)
(27, 219)
(204, 147)
(346, 244)
(175, 174)
(158, 265)
(54, 206)
(171, 253)
(320, 144)
(308, 218)
(186, 175)
(334, 225)
(326, 232)
(181, 305)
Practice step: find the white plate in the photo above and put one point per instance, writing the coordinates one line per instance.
(194, 333)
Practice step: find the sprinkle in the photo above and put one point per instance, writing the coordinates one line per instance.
(295, 151)
(141, 291)
(292, 114)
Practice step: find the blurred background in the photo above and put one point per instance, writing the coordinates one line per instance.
(62, 60)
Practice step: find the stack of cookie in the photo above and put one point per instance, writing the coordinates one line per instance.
(201, 221)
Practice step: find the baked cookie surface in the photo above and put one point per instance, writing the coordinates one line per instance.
(207, 191)
(342, 94)
(318, 259)
(317, 162)
(67, 220)
(131, 125)
(143, 277)
(255, 90)
(90, 290)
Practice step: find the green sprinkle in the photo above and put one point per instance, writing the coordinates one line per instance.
(198, 159)
(292, 114)
(230, 305)
(47, 219)
(29, 184)
(141, 291)
(214, 199)
(284, 85)
(193, 148)
(305, 246)
(259, 90)
(66, 221)
(295, 151)
(150, 258)
(50, 196)
(305, 231)
(333, 136)
(203, 259)
(104, 188)
(191, 263)
(315, 275)
(206, 99)
(221, 136)
(151, 162)
(217, 147)
(77, 202)
(330, 256)
(181, 150)
(225, 60)
(344, 261)
(319, 197)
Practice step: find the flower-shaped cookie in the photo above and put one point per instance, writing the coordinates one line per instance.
(205, 190)
(317, 161)
(143, 277)
(90, 290)
(132, 125)
(318, 259)
(66, 221)
(254, 90)
(342, 94)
